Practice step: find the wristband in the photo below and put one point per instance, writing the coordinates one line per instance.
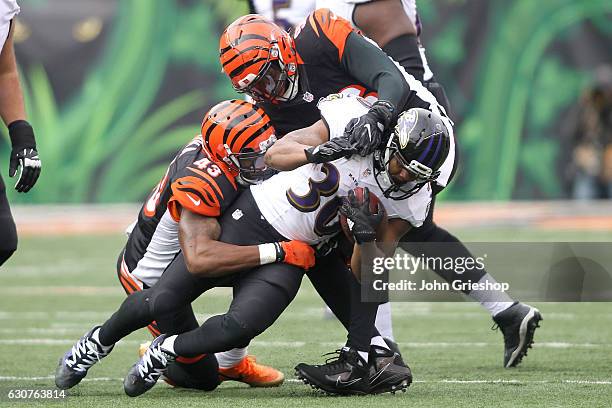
(270, 253)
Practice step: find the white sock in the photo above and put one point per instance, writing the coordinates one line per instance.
(380, 342)
(497, 307)
(168, 344)
(384, 323)
(364, 355)
(230, 358)
(494, 301)
(96, 337)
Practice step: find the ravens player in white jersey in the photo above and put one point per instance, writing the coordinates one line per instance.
(395, 26)
(402, 175)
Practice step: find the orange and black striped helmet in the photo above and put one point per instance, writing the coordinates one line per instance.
(238, 133)
(260, 59)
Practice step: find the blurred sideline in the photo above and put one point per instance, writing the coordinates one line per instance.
(44, 220)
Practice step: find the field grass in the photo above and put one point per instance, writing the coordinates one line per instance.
(56, 288)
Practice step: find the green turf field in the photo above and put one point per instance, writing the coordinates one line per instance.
(56, 288)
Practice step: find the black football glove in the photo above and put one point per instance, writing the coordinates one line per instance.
(23, 155)
(329, 151)
(366, 132)
(364, 222)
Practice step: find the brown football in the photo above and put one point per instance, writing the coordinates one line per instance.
(375, 205)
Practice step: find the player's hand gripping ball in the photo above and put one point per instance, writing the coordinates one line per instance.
(362, 216)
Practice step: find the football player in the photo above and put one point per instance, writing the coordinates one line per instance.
(287, 75)
(395, 26)
(180, 214)
(302, 204)
(12, 111)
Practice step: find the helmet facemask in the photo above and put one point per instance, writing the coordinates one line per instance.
(387, 184)
(273, 83)
(250, 163)
(421, 173)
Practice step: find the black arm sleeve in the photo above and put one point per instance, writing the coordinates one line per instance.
(370, 65)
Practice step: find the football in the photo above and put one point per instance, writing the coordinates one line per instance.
(375, 205)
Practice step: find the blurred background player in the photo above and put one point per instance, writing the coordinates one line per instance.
(12, 111)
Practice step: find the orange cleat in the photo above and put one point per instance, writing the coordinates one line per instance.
(249, 372)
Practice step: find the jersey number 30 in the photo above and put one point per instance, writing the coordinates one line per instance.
(311, 201)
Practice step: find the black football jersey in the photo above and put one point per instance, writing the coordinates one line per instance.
(320, 44)
(191, 181)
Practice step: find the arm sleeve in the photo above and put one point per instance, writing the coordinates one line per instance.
(364, 61)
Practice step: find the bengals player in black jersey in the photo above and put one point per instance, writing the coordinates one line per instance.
(180, 215)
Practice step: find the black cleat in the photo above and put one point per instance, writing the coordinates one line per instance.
(345, 375)
(393, 346)
(518, 324)
(73, 365)
(144, 374)
(388, 372)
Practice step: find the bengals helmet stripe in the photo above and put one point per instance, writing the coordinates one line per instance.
(242, 122)
(247, 64)
(233, 57)
(249, 136)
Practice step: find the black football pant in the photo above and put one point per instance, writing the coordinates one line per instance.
(8, 231)
(200, 372)
(259, 295)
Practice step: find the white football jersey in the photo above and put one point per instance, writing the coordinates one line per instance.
(8, 10)
(303, 204)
